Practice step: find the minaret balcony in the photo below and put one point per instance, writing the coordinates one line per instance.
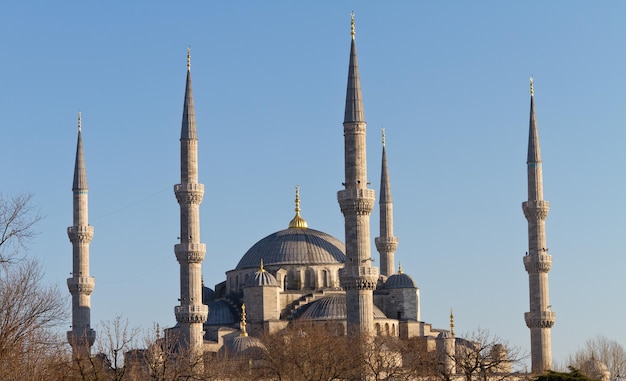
(386, 244)
(536, 209)
(80, 233)
(81, 285)
(359, 277)
(190, 252)
(538, 263)
(88, 336)
(356, 201)
(540, 319)
(191, 313)
(189, 193)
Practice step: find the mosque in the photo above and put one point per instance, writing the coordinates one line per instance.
(300, 274)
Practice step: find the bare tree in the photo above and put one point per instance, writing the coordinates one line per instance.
(29, 311)
(308, 352)
(382, 357)
(601, 348)
(18, 216)
(116, 339)
(485, 357)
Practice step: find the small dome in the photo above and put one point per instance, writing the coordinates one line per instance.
(332, 307)
(262, 278)
(244, 346)
(400, 280)
(220, 313)
(295, 246)
(445, 335)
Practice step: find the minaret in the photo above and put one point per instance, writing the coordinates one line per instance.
(191, 313)
(386, 244)
(81, 337)
(358, 277)
(537, 261)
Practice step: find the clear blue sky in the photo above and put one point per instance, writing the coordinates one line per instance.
(447, 80)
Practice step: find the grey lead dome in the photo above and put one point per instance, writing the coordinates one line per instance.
(294, 246)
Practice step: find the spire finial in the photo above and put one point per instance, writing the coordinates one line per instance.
(188, 58)
(80, 122)
(451, 322)
(399, 267)
(383, 136)
(261, 268)
(298, 221)
(242, 325)
(352, 24)
(532, 86)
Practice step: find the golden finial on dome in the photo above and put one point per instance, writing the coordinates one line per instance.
(532, 85)
(261, 268)
(298, 221)
(399, 267)
(352, 25)
(80, 122)
(242, 325)
(451, 323)
(189, 58)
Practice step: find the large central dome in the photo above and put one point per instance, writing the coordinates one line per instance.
(295, 246)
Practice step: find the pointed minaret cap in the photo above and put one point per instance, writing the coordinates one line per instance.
(188, 129)
(534, 153)
(354, 103)
(451, 323)
(80, 173)
(385, 183)
(298, 221)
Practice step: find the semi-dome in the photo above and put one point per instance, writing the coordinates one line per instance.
(220, 313)
(332, 307)
(296, 245)
(400, 280)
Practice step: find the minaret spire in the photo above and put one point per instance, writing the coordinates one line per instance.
(358, 277)
(191, 313)
(298, 221)
(537, 262)
(386, 243)
(81, 284)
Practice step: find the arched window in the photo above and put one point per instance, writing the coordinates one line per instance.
(377, 326)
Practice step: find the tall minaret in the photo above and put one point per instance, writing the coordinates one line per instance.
(81, 337)
(537, 261)
(191, 313)
(358, 276)
(386, 244)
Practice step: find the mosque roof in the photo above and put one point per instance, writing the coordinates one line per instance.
(244, 346)
(332, 307)
(220, 313)
(262, 278)
(400, 280)
(296, 245)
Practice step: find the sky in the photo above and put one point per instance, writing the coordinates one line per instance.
(449, 82)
